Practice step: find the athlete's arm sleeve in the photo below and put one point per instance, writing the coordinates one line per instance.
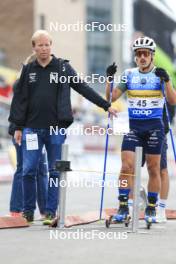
(122, 86)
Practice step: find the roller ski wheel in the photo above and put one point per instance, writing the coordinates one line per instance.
(127, 220)
(150, 216)
(149, 222)
(108, 221)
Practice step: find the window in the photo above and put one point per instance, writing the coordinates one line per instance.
(98, 42)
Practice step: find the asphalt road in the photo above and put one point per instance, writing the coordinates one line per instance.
(89, 243)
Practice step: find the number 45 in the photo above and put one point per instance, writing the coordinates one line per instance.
(142, 103)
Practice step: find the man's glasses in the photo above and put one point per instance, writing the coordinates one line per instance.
(145, 53)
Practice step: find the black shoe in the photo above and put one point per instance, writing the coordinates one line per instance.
(29, 216)
(48, 219)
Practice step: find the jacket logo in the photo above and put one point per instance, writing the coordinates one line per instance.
(32, 77)
(53, 77)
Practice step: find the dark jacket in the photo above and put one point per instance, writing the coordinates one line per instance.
(12, 126)
(19, 106)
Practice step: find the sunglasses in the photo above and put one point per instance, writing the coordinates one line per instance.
(145, 53)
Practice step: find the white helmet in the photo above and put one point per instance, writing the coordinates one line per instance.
(144, 43)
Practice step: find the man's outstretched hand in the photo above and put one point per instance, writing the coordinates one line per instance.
(112, 111)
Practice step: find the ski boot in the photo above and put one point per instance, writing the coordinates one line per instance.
(150, 215)
(122, 216)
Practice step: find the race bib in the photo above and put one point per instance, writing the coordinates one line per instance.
(31, 142)
(145, 103)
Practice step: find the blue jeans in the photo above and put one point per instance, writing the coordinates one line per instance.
(52, 144)
(42, 182)
(16, 199)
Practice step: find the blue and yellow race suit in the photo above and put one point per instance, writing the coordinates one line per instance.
(145, 108)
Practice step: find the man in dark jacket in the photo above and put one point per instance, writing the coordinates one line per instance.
(16, 197)
(42, 101)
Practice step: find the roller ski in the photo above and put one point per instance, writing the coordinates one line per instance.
(150, 215)
(122, 216)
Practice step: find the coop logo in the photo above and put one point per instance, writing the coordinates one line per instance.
(142, 112)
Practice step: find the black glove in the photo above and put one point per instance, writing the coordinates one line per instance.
(110, 71)
(162, 73)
